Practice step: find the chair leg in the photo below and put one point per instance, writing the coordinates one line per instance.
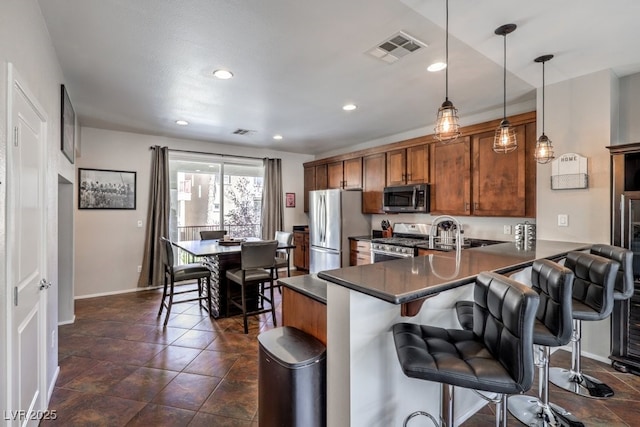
(164, 295)
(574, 380)
(273, 306)
(244, 309)
(166, 319)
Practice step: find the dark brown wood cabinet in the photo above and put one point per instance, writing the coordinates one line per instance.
(469, 178)
(301, 252)
(335, 173)
(322, 177)
(451, 178)
(360, 252)
(373, 182)
(408, 166)
(346, 174)
(309, 184)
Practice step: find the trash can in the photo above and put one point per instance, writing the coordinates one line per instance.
(291, 379)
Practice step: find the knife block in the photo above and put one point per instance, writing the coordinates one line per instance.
(388, 232)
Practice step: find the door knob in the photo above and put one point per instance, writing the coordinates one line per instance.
(44, 284)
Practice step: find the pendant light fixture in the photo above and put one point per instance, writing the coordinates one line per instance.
(505, 139)
(544, 149)
(447, 126)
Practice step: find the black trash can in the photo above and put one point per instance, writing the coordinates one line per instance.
(292, 370)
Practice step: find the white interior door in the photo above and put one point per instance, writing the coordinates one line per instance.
(26, 254)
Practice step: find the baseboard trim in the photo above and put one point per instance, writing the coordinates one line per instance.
(53, 384)
(125, 291)
(68, 322)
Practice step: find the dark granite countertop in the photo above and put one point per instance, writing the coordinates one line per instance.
(360, 237)
(407, 279)
(309, 285)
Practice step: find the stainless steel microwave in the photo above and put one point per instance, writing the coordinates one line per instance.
(406, 198)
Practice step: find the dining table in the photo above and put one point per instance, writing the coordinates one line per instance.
(220, 255)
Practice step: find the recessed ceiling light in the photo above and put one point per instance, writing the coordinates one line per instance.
(197, 170)
(222, 74)
(349, 107)
(436, 66)
(182, 122)
(278, 137)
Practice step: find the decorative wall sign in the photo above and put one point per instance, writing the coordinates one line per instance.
(67, 126)
(106, 189)
(290, 200)
(569, 171)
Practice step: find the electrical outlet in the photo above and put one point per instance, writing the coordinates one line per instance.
(507, 229)
(139, 269)
(53, 338)
(563, 220)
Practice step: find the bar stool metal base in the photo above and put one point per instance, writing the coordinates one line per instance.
(580, 384)
(420, 413)
(531, 412)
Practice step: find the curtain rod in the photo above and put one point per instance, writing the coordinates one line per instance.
(212, 154)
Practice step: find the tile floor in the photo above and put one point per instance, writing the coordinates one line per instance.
(119, 367)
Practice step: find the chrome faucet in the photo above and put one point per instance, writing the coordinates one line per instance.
(434, 230)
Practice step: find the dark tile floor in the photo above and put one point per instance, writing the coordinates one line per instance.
(119, 367)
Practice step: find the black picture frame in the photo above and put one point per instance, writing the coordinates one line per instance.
(67, 126)
(106, 189)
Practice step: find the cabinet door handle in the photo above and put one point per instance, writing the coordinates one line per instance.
(475, 206)
(466, 207)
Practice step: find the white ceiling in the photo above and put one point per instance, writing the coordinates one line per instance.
(139, 65)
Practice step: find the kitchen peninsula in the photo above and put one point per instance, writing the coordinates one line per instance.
(365, 385)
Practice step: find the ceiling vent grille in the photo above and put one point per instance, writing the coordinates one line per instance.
(240, 131)
(395, 47)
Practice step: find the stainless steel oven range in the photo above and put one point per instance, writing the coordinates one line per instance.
(403, 244)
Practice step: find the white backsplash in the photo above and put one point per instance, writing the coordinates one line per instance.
(491, 228)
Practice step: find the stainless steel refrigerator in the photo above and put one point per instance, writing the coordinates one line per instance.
(335, 215)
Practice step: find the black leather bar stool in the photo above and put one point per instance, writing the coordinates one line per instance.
(552, 328)
(592, 300)
(496, 356)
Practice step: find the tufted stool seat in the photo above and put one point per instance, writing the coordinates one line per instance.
(496, 356)
(592, 299)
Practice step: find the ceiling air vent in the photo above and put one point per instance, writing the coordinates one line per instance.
(395, 47)
(243, 131)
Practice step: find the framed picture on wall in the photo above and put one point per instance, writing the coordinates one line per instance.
(290, 200)
(67, 126)
(106, 189)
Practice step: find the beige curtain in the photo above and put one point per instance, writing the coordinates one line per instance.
(157, 219)
(272, 218)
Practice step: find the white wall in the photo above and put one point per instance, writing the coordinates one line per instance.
(24, 41)
(629, 109)
(580, 117)
(108, 243)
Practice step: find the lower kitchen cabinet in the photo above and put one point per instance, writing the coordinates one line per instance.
(360, 252)
(301, 252)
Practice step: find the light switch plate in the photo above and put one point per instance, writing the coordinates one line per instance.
(139, 224)
(507, 229)
(563, 220)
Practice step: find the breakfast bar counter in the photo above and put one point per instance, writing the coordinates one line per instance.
(365, 384)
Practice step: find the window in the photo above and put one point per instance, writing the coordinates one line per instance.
(209, 192)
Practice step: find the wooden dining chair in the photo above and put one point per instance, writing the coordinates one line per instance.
(212, 234)
(182, 273)
(257, 265)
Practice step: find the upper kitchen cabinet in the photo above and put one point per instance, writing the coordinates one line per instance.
(408, 165)
(373, 177)
(345, 174)
(469, 178)
(309, 184)
(451, 177)
(322, 177)
(498, 179)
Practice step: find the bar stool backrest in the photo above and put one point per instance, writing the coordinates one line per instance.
(594, 282)
(554, 284)
(624, 279)
(503, 318)
(212, 234)
(260, 254)
(284, 238)
(167, 252)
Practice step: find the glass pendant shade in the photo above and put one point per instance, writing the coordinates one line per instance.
(505, 139)
(447, 126)
(544, 150)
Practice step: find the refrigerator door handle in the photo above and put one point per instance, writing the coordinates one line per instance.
(321, 216)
